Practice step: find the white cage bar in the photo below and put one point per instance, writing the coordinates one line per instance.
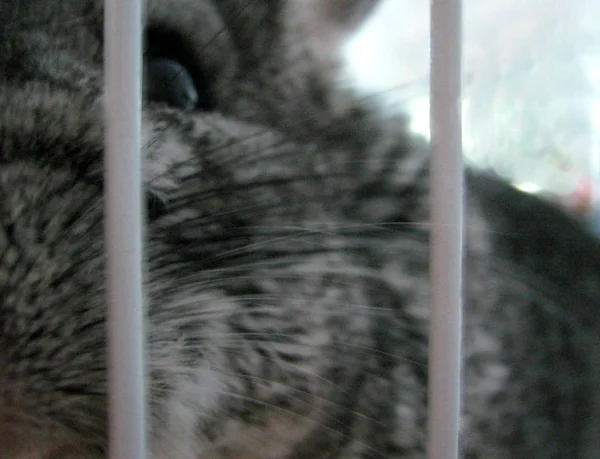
(123, 65)
(445, 360)
(123, 201)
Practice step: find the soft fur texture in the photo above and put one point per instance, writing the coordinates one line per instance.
(287, 252)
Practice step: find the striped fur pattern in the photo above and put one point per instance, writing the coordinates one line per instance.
(287, 257)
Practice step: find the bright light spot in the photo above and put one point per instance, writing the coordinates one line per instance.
(528, 187)
(369, 58)
(418, 110)
(363, 61)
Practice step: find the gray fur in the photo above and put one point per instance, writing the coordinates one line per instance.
(287, 261)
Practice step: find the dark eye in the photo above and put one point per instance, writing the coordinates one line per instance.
(168, 81)
(172, 72)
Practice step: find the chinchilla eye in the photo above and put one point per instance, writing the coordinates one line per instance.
(174, 73)
(168, 81)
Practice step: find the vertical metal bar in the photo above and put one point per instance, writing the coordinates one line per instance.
(447, 226)
(123, 195)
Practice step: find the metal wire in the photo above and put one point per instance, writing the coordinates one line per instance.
(447, 222)
(123, 194)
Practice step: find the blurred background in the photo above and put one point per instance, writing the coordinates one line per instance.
(531, 105)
